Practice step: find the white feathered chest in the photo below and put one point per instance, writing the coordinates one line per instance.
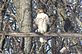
(42, 21)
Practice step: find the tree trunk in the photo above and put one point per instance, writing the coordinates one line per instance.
(23, 18)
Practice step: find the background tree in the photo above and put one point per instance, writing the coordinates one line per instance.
(24, 20)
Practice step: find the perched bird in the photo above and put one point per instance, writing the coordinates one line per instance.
(42, 21)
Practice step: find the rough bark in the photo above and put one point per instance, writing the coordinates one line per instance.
(24, 20)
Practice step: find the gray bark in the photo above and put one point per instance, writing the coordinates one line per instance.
(24, 20)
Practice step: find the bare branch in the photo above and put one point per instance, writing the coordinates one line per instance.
(22, 34)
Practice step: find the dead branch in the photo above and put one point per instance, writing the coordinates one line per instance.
(22, 34)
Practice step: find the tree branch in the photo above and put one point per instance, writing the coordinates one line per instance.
(22, 34)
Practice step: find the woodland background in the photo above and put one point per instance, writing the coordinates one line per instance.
(18, 16)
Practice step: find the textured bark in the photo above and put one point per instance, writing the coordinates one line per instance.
(24, 20)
